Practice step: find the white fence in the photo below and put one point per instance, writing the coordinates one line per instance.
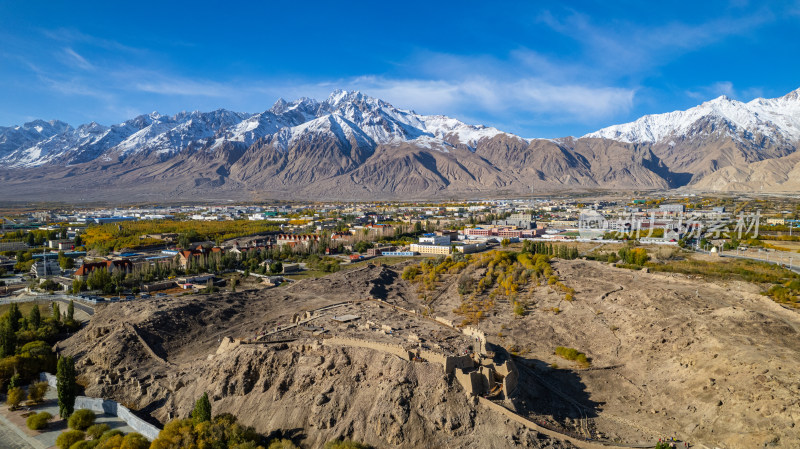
(110, 407)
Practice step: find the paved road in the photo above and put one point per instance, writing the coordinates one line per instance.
(786, 259)
(9, 439)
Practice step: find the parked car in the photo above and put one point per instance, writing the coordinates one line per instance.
(114, 298)
(144, 296)
(130, 298)
(161, 294)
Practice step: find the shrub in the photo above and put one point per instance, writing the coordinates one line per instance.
(410, 273)
(519, 309)
(202, 409)
(81, 419)
(38, 421)
(135, 441)
(15, 397)
(68, 438)
(282, 444)
(107, 435)
(37, 390)
(114, 442)
(82, 445)
(97, 430)
(344, 444)
(572, 354)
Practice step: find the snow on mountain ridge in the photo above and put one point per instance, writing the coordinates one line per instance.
(777, 118)
(349, 115)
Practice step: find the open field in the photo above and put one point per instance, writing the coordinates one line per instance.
(792, 246)
(25, 308)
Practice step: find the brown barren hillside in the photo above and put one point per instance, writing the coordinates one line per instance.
(708, 362)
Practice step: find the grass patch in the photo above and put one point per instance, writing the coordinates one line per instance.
(26, 307)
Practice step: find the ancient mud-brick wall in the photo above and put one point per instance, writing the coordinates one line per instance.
(449, 363)
(458, 362)
(477, 334)
(472, 382)
(510, 375)
(445, 321)
(397, 350)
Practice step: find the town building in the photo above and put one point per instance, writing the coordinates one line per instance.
(428, 248)
(293, 240)
(200, 254)
(433, 239)
(518, 220)
(45, 267)
(112, 266)
(672, 208)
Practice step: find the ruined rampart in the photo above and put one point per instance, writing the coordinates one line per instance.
(394, 349)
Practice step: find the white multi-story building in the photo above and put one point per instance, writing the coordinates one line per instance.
(430, 249)
(45, 267)
(433, 239)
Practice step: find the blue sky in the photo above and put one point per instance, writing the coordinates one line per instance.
(538, 69)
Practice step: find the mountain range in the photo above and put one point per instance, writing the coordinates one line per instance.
(352, 146)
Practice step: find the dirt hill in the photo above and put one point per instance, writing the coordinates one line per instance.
(709, 362)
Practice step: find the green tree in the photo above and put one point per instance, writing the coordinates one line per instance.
(56, 312)
(8, 338)
(14, 315)
(78, 286)
(35, 317)
(202, 409)
(15, 381)
(71, 311)
(31, 239)
(65, 378)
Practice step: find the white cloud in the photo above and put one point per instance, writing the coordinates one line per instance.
(530, 96)
(76, 60)
(631, 49)
(705, 93)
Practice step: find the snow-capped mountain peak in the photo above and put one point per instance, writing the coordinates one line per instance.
(350, 116)
(777, 119)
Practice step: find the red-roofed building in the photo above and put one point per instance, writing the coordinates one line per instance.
(296, 239)
(186, 257)
(112, 266)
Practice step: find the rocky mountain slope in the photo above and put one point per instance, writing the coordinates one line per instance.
(351, 146)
